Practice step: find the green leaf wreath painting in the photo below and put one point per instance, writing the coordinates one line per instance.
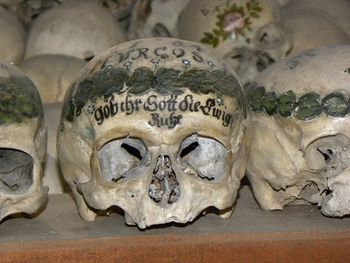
(233, 21)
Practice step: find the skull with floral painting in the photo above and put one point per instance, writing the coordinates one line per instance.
(248, 34)
(156, 127)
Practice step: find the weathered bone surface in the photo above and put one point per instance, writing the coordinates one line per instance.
(311, 29)
(120, 9)
(157, 127)
(22, 144)
(246, 33)
(155, 18)
(52, 74)
(79, 29)
(300, 121)
(13, 37)
(53, 177)
(336, 11)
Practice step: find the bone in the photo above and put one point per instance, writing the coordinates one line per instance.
(13, 37)
(80, 29)
(16, 169)
(52, 74)
(208, 22)
(129, 130)
(300, 150)
(22, 144)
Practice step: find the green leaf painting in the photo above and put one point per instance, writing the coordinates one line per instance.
(232, 21)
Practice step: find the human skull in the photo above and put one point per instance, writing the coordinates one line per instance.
(13, 37)
(52, 74)
(301, 137)
(22, 144)
(310, 29)
(80, 29)
(246, 33)
(155, 18)
(156, 127)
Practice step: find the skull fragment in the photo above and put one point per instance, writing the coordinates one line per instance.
(156, 127)
(52, 74)
(300, 123)
(22, 144)
(13, 37)
(155, 18)
(77, 28)
(246, 33)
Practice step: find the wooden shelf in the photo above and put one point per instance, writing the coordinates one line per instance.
(58, 234)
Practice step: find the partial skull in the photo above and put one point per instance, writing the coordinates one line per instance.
(13, 37)
(336, 11)
(157, 127)
(52, 74)
(311, 29)
(231, 27)
(22, 144)
(78, 28)
(155, 18)
(300, 124)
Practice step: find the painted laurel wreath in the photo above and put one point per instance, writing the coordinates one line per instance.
(307, 107)
(164, 81)
(19, 100)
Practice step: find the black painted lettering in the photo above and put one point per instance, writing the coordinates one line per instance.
(210, 103)
(99, 115)
(178, 52)
(158, 52)
(155, 120)
(114, 107)
(151, 103)
(106, 111)
(197, 56)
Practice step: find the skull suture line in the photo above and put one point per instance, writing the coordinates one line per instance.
(22, 144)
(246, 33)
(156, 127)
(301, 138)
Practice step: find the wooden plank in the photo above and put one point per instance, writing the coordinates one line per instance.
(59, 235)
(256, 247)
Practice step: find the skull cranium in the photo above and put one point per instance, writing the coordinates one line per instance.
(301, 134)
(156, 127)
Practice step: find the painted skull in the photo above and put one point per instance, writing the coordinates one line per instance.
(22, 144)
(246, 33)
(300, 121)
(156, 127)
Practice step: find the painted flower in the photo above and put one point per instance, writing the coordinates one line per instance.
(232, 22)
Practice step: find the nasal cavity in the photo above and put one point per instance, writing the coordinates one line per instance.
(164, 188)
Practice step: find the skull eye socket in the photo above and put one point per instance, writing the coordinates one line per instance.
(204, 155)
(330, 154)
(16, 171)
(270, 36)
(119, 158)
